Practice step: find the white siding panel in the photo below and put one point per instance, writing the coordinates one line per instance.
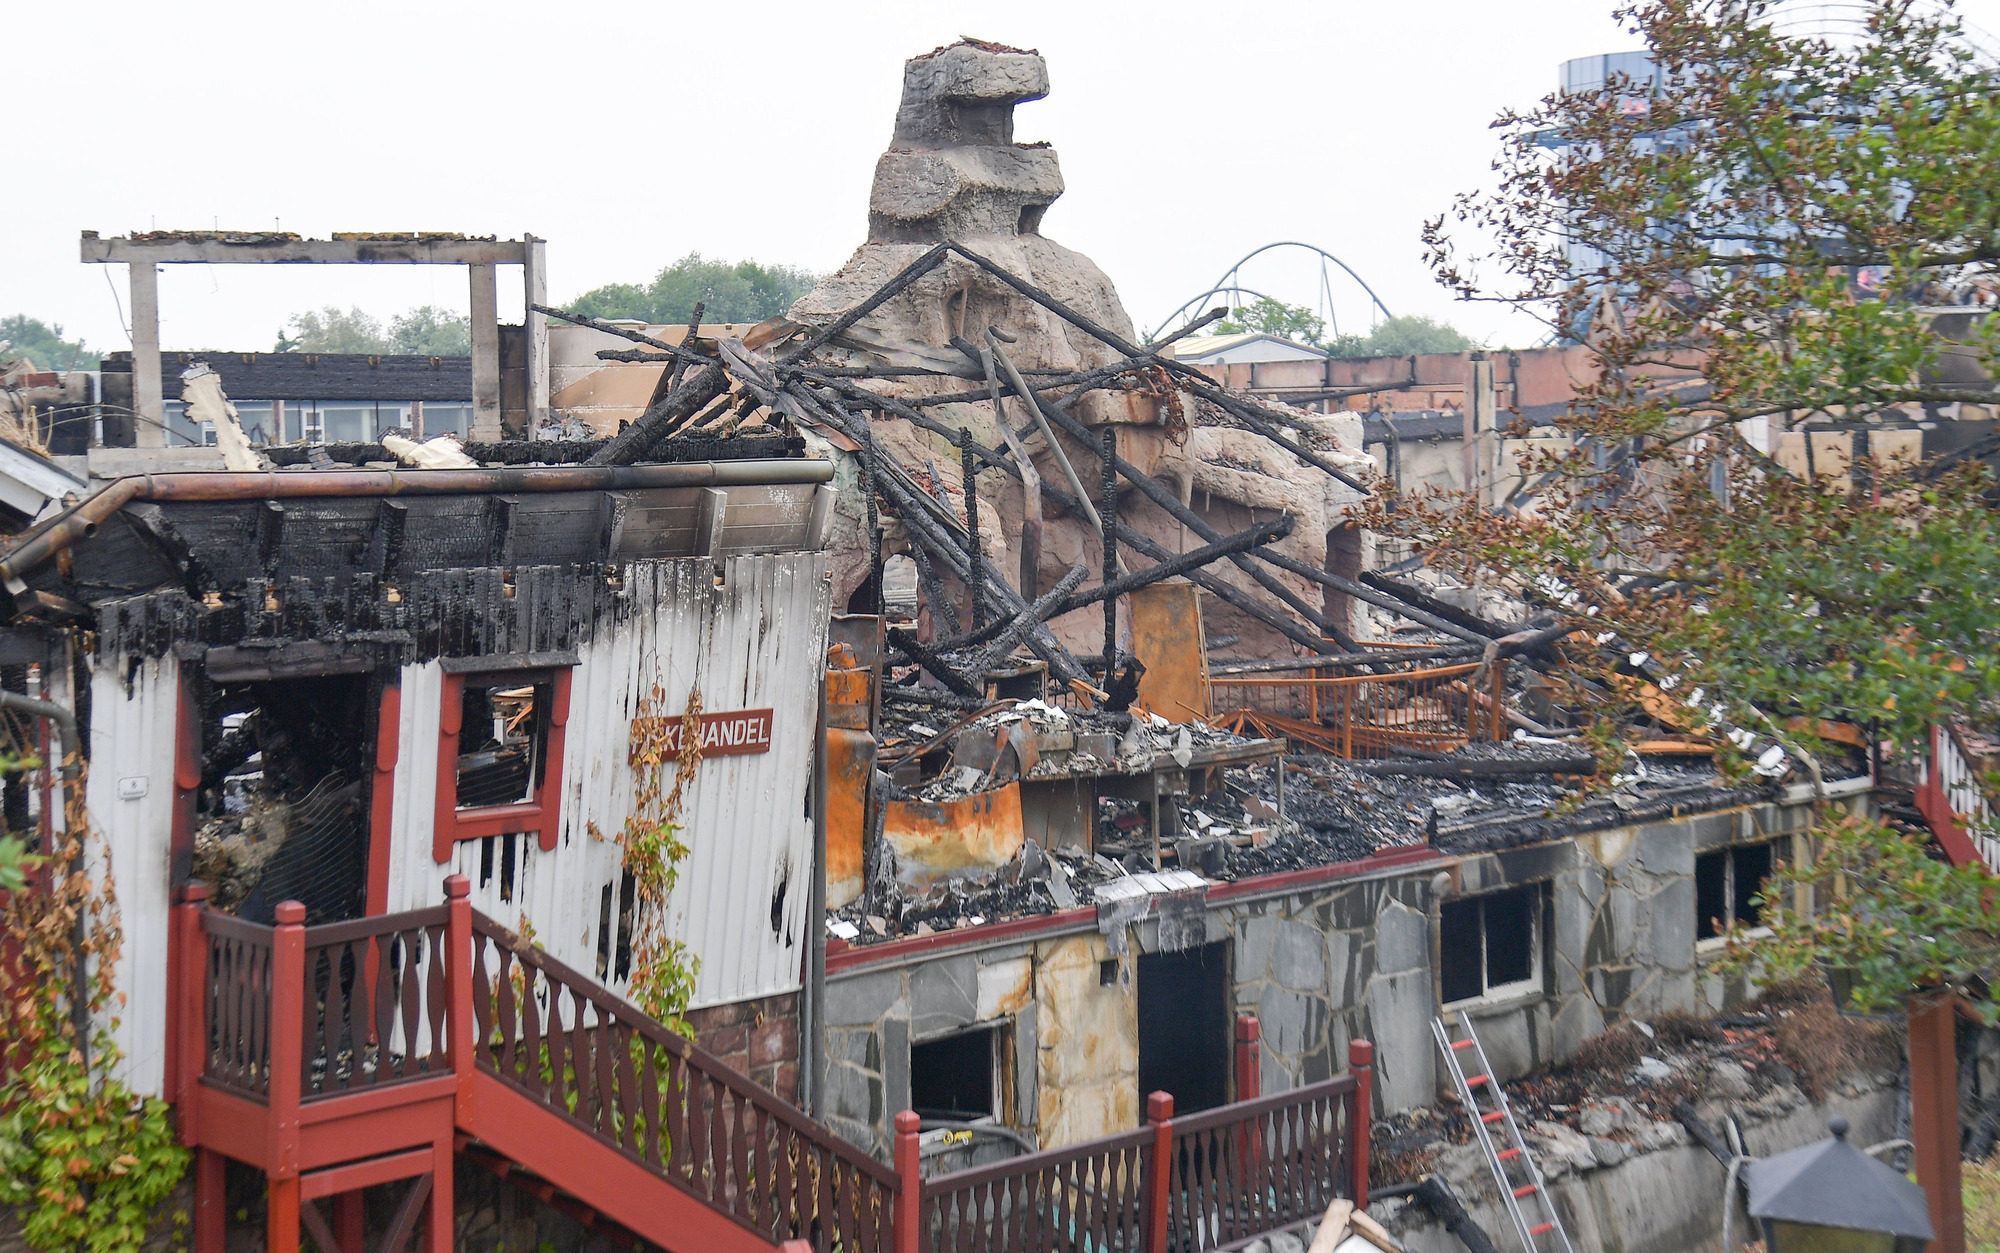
(132, 736)
(757, 641)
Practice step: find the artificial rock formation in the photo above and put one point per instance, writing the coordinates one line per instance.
(954, 172)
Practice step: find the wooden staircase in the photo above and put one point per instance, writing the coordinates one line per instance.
(379, 1051)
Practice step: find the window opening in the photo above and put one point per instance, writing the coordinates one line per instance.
(628, 896)
(502, 738)
(952, 1078)
(282, 812)
(507, 843)
(1490, 945)
(1184, 1033)
(1726, 884)
(604, 933)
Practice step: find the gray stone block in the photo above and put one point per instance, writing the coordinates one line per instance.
(1665, 848)
(1577, 1021)
(1402, 940)
(1292, 1023)
(1399, 1015)
(1622, 908)
(853, 1094)
(1574, 914)
(944, 995)
(1608, 1152)
(1509, 1041)
(1255, 938)
(1673, 925)
(861, 1000)
(895, 1090)
(1342, 985)
(1298, 958)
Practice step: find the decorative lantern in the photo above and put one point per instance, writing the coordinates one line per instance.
(1830, 1197)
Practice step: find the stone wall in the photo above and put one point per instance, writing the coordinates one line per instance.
(1319, 967)
(1345, 962)
(1619, 928)
(1069, 1042)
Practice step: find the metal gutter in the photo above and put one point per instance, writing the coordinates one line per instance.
(82, 520)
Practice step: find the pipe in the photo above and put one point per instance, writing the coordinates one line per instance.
(813, 1046)
(981, 1128)
(82, 520)
(64, 720)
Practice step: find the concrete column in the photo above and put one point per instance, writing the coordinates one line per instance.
(150, 429)
(485, 354)
(535, 282)
(1486, 420)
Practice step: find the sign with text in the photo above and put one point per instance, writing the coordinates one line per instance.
(731, 734)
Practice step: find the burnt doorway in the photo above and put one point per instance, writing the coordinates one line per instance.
(283, 809)
(1184, 1026)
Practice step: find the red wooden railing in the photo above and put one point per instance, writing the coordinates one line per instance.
(408, 1007)
(237, 983)
(1085, 1196)
(376, 1006)
(1213, 1180)
(560, 1039)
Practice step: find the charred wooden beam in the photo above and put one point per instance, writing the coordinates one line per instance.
(1031, 484)
(1411, 594)
(907, 643)
(1347, 661)
(1029, 618)
(1109, 511)
(1263, 533)
(636, 440)
(675, 351)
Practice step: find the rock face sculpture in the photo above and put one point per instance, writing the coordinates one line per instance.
(953, 171)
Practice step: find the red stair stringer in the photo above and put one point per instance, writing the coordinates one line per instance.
(613, 1184)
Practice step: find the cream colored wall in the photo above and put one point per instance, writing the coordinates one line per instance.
(1088, 1042)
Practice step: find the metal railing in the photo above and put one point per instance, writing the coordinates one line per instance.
(1435, 709)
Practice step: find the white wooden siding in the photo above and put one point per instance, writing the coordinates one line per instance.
(757, 641)
(132, 737)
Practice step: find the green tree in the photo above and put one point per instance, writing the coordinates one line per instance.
(742, 291)
(1401, 337)
(43, 344)
(333, 330)
(1275, 317)
(1758, 235)
(428, 331)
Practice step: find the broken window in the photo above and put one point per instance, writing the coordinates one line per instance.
(953, 1079)
(282, 812)
(1490, 946)
(500, 750)
(502, 738)
(1726, 884)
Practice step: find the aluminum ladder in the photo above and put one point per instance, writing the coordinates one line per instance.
(1528, 1204)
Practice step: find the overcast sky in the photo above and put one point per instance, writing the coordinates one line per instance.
(631, 134)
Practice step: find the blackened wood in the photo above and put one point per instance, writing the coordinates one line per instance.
(1028, 618)
(942, 670)
(1243, 541)
(634, 441)
(1411, 594)
(942, 609)
(1108, 510)
(1031, 485)
(973, 549)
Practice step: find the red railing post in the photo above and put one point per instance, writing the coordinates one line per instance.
(1159, 1170)
(908, 1235)
(288, 1010)
(1249, 1082)
(1361, 1105)
(459, 1024)
(187, 1001)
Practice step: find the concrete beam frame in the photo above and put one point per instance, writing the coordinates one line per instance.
(479, 256)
